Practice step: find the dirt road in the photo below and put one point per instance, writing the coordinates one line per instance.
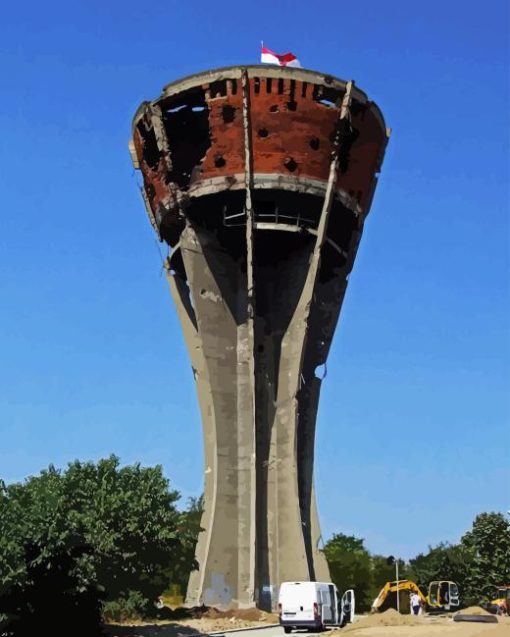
(426, 627)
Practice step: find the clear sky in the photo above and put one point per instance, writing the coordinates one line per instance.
(414, 424)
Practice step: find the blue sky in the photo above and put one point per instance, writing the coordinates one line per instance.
(414, 424)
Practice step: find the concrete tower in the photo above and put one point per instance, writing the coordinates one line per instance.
(260, 179)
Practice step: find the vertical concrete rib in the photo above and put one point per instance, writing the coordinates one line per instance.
(247, 490)
(218, 291)
(181, 296)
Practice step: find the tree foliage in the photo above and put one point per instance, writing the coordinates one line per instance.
(100, 530)
(443, 562)
(488, 546)
(478, 563)
(188, 529)
(349, 566)
(98, 535)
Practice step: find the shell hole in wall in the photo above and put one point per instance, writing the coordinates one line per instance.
(290, 164)
(228, 113)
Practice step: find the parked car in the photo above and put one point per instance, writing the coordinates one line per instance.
(314, 605)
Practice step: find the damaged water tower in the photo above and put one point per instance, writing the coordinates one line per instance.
(259, 178)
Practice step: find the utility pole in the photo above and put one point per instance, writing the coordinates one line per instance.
(390, 561)
(398, 592)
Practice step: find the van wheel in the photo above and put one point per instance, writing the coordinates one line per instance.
(287, 629)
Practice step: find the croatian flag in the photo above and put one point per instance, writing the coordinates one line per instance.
(269, 57)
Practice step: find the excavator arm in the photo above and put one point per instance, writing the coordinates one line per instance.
(393, 587)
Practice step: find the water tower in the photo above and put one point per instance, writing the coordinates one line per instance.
(259, 178)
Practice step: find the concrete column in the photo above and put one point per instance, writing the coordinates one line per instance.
(226, 550)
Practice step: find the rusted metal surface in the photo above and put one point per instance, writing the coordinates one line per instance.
(260, 178)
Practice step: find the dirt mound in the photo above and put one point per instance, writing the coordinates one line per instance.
(254, 615)
(209, 612)
(390, 617)
(473, 610)
(196, 612)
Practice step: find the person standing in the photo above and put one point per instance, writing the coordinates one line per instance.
(415, 604)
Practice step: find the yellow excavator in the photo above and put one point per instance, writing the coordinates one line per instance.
(442, 595)
(500, 600)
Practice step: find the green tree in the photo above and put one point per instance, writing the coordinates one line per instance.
(488, 545)
(349, 565)
(442, 562)
(480, 561)
(188, 529)
(114, 529)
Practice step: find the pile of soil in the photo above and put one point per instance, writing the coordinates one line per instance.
(201, 619)
(246, 614)
(206, 612)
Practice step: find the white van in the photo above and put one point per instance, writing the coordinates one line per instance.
(313, 605)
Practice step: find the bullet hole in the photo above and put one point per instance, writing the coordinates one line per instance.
(292, 106)
(269, 85)
(228, 113)
(314, 143)
(219, 161)
(274, 108)
(280, 85)
(290, 164)
(304, 86)
(210, 295)
(263, 132)
(256, 83)
(321, 371)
